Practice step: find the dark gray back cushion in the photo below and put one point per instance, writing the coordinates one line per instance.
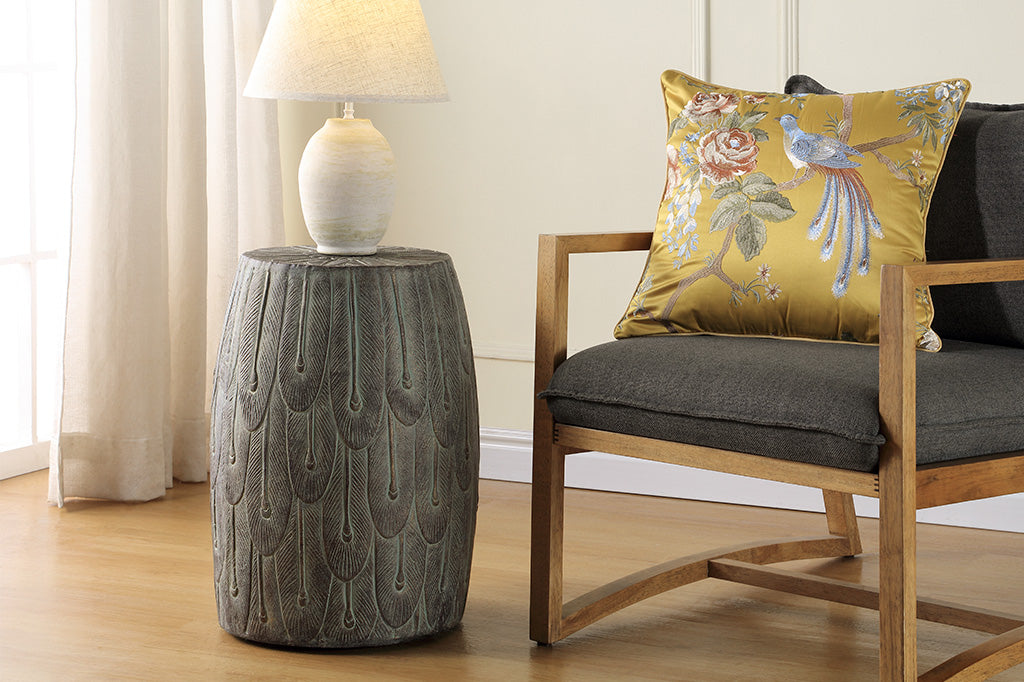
(977, 211)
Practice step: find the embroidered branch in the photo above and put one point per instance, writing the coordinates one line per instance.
(712, 268)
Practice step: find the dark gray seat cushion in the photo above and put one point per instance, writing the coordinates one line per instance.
(977, 211)
(790, 399)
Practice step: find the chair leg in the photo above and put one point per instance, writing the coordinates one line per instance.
(842, 518)
(546, 541)
(897, 578)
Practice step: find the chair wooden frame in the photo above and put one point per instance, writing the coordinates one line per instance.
(901, 486)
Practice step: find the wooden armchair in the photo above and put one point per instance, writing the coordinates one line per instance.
(904, 479)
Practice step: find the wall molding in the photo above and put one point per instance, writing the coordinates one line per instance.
(789, 40)
(701, 39)
(503, 352)
(506, 455)
(508, 353)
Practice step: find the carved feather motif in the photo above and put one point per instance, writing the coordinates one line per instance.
(437, 582)
(356, 358)
(269, 497)
(399, 569)
(433, 484)
(467, 460)
(302, 576)
(302, 352)
(234, 463)
(265, 618)
(347, 526)
(257, 346)
(344, 449)
(233, 585)
(222, 428)
(352, 610)
(444, 363)
(391, 481)
(311, 439)
(405, 364)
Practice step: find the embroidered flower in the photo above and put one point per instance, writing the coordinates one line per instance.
(695, 198)
(952, 90)
(929, 340)
(917, 158)
(916, 95)
(706, 106)
(675, 173)
(727, 153)
(753, 99)
(688, 246)
(772, 291)
(764, 271)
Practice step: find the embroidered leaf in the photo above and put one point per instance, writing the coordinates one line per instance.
(751, 235)
(733, 120)
(678, 122)
(772, 206)
(752, 120)
(725, 189)
(759, 135)
(757, 183)
(728, 211)
(835, 126)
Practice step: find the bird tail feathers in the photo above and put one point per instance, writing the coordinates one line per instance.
(845, 205)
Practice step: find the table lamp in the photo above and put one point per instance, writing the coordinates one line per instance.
(347, 51)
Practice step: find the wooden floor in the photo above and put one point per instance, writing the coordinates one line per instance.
(114, 591)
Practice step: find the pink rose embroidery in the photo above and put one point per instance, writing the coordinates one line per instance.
(727, 153)
(708, 105)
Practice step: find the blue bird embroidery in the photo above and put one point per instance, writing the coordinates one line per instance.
(845, 202)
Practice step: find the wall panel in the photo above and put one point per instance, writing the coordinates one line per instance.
(882, 44)
(744, 35)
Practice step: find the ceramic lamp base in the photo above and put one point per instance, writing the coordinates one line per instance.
(347, 186)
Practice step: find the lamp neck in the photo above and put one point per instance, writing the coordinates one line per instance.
(349, 110)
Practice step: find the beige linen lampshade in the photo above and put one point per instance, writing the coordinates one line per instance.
(347, 51)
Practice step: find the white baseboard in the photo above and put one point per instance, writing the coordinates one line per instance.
(505, 455)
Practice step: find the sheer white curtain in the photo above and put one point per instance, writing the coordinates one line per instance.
(175, 174)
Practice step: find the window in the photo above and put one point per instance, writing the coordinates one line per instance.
(36, 138)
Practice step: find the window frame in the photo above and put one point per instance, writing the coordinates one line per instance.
(25, 457)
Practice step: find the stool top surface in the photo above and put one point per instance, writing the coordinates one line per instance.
(386, 256)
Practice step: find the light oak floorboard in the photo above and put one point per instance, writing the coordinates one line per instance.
(115, 591)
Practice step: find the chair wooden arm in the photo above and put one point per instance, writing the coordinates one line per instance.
(938, 273)
(897, 467)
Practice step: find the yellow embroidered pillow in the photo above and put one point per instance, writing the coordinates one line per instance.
(780, 209)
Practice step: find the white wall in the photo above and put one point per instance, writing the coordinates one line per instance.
(556, 124)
